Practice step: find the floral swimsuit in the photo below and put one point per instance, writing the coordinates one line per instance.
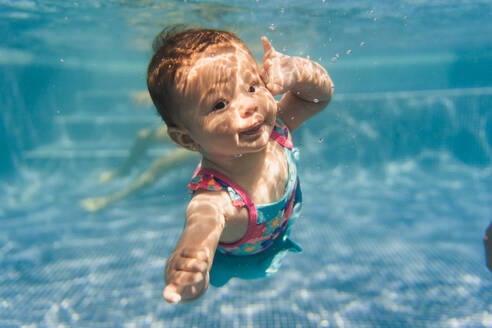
(266, 222)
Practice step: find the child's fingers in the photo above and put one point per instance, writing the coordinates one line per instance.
(275, 89)
(264, 75)
(171, 294)
(202, 254)
(191, 265)
(267, 46)
(184, 286)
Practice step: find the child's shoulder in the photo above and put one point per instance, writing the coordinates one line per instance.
(214, 203)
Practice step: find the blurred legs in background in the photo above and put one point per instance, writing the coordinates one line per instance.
(146, 138)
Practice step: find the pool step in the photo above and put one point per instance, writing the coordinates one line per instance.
(114, 130)
(54, 152)
(101, 126)
(95, 138)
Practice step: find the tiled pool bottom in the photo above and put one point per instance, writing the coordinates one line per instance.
(394, 245)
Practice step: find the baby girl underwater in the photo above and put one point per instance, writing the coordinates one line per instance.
(216, 100)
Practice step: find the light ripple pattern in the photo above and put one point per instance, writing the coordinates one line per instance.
(396, 173)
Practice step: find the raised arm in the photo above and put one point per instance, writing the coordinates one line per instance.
(188, 267)
(306, 85)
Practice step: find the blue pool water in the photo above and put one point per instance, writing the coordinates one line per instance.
(396, 172)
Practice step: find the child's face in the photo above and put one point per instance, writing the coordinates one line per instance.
(226, 108)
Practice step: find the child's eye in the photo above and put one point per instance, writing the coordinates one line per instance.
(252, 88)
(220, 105)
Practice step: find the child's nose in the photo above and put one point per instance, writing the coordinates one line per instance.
(247, 109)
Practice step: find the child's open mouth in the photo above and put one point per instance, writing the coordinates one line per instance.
(254, 130)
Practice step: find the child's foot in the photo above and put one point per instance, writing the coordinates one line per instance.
(94, 204)
(187, 275)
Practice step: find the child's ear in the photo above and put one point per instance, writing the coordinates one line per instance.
(182, 138)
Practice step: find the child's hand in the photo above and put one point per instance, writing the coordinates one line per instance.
(187, 274)
(279, 72)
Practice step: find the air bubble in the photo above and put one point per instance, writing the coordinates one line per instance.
(315, 100)
(272, 27)
(238, 155)
(62, 60)
(321, 140)
(349, 52)
(362, 44)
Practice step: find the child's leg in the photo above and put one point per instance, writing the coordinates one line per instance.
(158, 167)
(145, 139)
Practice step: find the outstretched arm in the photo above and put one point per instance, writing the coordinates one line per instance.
(306, 85)
(188, 267)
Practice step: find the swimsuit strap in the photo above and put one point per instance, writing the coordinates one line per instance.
(280, 134)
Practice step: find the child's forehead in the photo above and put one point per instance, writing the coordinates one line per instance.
(233, 52)
(219, 62)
